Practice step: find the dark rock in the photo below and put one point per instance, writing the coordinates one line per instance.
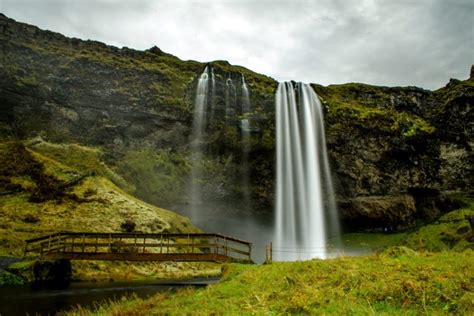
(53, 271)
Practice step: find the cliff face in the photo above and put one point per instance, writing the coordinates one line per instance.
(394, 151)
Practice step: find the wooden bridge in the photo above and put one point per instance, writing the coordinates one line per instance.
(139, 247)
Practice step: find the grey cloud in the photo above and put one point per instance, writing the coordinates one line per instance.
(385, 42)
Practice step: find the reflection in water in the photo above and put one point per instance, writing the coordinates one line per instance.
(31, 299)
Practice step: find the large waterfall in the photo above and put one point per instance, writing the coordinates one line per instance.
(199, 126)
(305, 206)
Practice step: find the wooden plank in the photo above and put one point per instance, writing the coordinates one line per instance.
(132, 235)
(58, 243)
(177, 257)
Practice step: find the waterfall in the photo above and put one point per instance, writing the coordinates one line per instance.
(199, 125)
(305, 206)
(230, 99)
(213, 94)
(245, 134)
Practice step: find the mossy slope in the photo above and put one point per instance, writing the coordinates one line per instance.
(400, 283)
(93, 204)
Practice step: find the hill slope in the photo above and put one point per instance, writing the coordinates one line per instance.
(40, 195)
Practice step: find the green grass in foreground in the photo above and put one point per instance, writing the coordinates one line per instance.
(398, 281)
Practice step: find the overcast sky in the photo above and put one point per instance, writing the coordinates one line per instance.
(383, 42)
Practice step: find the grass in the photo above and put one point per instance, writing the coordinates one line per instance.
(434, 279)
(392, 283)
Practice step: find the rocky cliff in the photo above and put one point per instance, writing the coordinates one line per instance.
(394, 151)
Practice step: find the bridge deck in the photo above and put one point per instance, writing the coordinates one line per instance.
(139, 247)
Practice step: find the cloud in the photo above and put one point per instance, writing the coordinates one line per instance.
(384, 42)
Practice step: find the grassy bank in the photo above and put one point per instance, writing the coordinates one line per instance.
(398, 281)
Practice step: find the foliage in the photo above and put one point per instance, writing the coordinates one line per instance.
(7, 278)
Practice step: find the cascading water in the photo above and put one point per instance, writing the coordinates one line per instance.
(199, 125)
(230, 99)
(245, 131)
(305, 206)
(212, 96)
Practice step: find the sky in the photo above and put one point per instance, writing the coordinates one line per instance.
(382, 42)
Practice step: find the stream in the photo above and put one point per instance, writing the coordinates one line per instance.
(48, 300)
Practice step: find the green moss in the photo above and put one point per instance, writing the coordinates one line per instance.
(75, 158)
(157, 174)
(369, 107)
(406, 284)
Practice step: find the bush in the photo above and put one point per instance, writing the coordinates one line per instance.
(128, 226)
(30, 218)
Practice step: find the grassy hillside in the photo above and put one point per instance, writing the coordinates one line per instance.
(397, 282)
(46, 188)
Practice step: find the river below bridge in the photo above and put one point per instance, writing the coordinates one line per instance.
(49, 300)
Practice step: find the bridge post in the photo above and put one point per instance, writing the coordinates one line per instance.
(49, 243)
(225, 245)
(187, 242)
(135, 245)
(144, 243)
(64, 243)
(161, 243)
(216, 245)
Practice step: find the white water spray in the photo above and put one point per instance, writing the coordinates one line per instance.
(305, 205)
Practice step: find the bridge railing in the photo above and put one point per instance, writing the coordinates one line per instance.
(138, 246)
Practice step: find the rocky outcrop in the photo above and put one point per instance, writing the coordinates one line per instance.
(384, 143)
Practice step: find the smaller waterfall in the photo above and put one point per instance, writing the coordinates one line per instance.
(230, 99)
(305, 205)
(197, 138)
(213, 97)
(245, 131)
(245, 97)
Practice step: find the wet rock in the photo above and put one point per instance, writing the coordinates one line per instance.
(383, 213)
(52, 271)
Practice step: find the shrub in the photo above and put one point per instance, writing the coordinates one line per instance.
(30, 218)
(128, 226)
